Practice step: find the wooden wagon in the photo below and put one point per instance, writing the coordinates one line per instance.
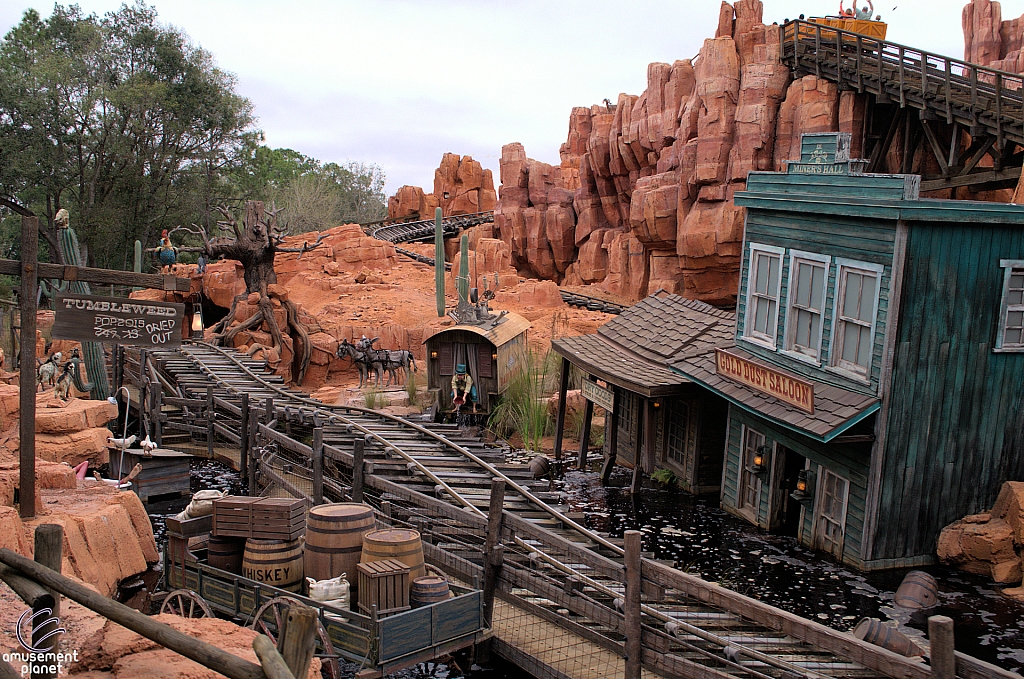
(380, 644)
(490, 352)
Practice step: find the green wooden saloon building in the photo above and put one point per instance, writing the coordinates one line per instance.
(876, 373)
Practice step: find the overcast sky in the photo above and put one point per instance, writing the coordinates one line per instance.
(400, 82)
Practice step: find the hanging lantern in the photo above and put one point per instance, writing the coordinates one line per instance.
(197, 321)
(759, 466)
(804, 493)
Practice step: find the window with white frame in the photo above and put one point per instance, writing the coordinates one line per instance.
(832, 512)
(808, 276)
(764, 282)
(1011, 308)
(853, 329)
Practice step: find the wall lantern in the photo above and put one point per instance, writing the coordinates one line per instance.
(759, 468)
(656, 403)
(494, 355)
(433, 354)
(804, 493)
(197, 321)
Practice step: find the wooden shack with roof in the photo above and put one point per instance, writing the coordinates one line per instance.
(490, 348)
(654, 417)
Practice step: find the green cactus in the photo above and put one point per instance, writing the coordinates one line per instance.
(439, 261)
(463, 280)
(94, 361)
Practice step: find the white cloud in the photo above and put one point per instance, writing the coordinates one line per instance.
(400, 82)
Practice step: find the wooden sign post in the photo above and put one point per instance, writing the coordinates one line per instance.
(30, 270)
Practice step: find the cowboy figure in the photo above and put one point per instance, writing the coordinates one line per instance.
(462, 387)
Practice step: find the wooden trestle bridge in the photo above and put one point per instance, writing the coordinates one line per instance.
(560, 588)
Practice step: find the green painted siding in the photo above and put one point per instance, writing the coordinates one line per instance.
(870, 241)
(956, 425)
(839, 186)
(850, 461)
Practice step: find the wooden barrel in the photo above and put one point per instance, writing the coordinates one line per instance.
(873, 631)
(428, 590)
(334, 539)
(274, 562)
(401, 544)
(226, 553)
(539, 466)
(918, 590)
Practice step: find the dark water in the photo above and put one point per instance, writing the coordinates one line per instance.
(700, 538)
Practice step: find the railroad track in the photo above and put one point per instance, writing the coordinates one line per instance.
(554, 566)
(423, 230)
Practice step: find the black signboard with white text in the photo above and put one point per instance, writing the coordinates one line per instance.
(118, 320)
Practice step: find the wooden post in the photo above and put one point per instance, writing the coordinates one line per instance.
(158, 413)
(210, 417)
(642, 437)
(274, 666)
(385, 508)
(631, 608)
(358, 453)
(243, 437)
(612, 435)
(254, 425)
(318, 466)
(269, 411)
(563, 387)
(297, 638)
(493, 549)
(49, 548)
(588, 416)
(27, 376)
(941, 654)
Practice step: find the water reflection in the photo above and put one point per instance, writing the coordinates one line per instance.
(695, 535)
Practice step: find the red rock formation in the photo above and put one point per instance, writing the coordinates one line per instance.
(411, 203)
(991, 543)
(470, 188)
(990, 41)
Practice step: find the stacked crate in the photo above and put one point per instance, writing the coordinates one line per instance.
(264, 518)
(383, 585)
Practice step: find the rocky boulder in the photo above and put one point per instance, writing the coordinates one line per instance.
(411, 203)
(468, 186)
(991, 543)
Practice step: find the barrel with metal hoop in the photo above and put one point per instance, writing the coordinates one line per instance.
(334, 539)
(395, 543)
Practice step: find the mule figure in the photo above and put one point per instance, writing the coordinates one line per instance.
(46, 373)
(364, 362)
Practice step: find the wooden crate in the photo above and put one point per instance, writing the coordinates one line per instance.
(266, 518)
(278, 518)
(384, 584)
(164, 472)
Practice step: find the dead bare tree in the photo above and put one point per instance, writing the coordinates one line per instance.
(255, 246)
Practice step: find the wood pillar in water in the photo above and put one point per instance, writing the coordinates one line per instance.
(493, 550)
(318, 466)
(941, 654)
(358, 452)
(243, 437)
(588, 418)
(210, 417)
(612, 435)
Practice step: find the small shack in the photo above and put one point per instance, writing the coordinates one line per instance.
(489, 350)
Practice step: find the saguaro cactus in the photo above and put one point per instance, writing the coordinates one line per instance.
(463, 280)
(439, 261)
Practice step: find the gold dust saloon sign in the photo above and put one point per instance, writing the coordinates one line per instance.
(775, 383)
(140, 322)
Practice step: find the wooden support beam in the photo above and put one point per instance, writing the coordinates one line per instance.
(243, 436)
(940, 640)
(1008, 175)
(493, 549)
(588, 417)
(254, 423)
(612, 437)
(48, 552)
(211, 418)
(631, 607)
(358, 469)
(297, 639)
(12, 267)
(318, 465)
(27, 269)
(933, 141)
(563, 387)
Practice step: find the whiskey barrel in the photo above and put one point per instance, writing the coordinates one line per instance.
(874, 631)
(427, 590)
(226, 553)
(918, 590)
(334, 539)
(274, 562)
(401, 544)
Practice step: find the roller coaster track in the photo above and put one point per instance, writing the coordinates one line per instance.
(436, 478)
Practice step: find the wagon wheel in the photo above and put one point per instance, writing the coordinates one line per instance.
(279, 606)
(187, 604)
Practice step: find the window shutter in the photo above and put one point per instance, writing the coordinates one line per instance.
(483, 360)
(446, 358)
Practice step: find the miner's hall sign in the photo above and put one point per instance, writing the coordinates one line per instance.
(87, 318)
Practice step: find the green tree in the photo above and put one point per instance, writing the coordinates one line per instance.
(119, 119)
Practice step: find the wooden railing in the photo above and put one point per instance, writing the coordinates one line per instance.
(978, 97)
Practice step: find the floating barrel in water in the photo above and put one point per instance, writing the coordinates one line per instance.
(874, 631)
(401, 544)
(274, 562)
(334, 539)
(226, 553)
(918, 590)
(539, 466)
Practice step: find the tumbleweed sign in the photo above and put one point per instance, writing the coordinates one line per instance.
(118, 320)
